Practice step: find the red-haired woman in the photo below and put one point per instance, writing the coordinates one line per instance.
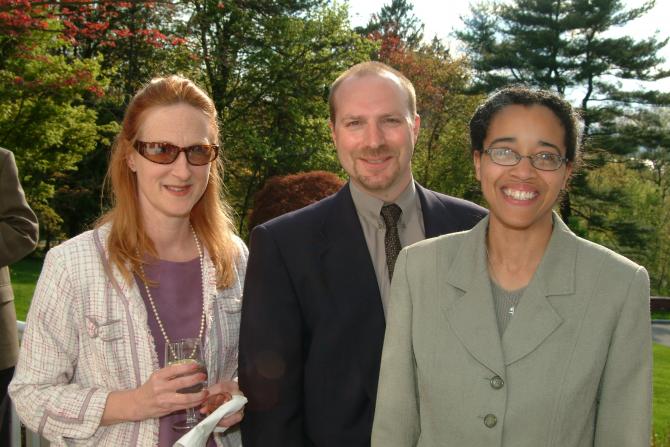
(162, 264)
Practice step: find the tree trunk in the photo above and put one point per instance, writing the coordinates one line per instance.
(565, 208)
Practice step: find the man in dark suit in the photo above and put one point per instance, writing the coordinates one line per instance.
(18, 237)
(318, 279)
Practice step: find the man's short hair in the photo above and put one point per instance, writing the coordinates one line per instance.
(373, 68)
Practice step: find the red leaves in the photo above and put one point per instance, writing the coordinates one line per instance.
(96, 90)
(82, 80)
(80, 20)
(18, 16)
(122, 33)
(177, 41)
(153, 37)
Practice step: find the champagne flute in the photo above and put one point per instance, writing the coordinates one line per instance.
(187, 350)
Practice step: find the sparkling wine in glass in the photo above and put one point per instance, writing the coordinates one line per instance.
(187, 350)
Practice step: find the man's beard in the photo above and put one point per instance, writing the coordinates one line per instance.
(373, 182)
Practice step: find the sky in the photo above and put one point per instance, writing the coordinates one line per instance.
(441, 17)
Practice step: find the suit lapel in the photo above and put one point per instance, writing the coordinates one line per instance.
(471, 315)
(344, 253)
(350, 277)
(536, 318)
(434, 213)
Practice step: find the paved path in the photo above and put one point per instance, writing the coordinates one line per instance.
(661, 333)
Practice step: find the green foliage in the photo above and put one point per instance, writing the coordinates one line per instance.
(66, 77)
(44, 115)
(558, 44)
(661, 402)
(621, 207)
(624, 202)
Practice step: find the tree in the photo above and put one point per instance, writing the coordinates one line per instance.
(137, 39)
(43, 116)
(396, 20)
(637, 226)
(649, 131)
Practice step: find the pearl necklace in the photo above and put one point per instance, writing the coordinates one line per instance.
(153, 304)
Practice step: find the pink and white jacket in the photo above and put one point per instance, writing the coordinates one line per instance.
(87, 335)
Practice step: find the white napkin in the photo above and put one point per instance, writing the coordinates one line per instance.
(197, 436)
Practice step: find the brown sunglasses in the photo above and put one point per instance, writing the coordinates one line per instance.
(166, 153)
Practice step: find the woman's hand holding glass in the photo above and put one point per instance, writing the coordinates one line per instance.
(160, 396)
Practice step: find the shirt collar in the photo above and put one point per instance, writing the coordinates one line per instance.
(369, 207)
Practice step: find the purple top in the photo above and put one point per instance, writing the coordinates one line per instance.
(178, 298)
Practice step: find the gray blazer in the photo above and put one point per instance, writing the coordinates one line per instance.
(18, 237)
(573, 368)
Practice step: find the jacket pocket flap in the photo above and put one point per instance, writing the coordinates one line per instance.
(231, 305)
(107, 330)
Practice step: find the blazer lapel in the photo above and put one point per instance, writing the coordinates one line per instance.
(471, 315)
(344, 253)
(535, 318)
(433, 214)
(350, 277)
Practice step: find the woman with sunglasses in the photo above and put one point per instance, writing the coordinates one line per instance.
(517, 333)
(163, 264)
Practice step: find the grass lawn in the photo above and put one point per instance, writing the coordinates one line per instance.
(661, 396)
(24, 276)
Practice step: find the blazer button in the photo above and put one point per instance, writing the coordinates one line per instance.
(490, 420)
(497, 382)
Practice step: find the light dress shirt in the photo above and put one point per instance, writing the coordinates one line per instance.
(410, 229)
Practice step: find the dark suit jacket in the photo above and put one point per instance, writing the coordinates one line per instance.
(18, 237)
(313, 324)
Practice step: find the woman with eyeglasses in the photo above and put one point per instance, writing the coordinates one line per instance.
(162, 264)
(517, 333)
